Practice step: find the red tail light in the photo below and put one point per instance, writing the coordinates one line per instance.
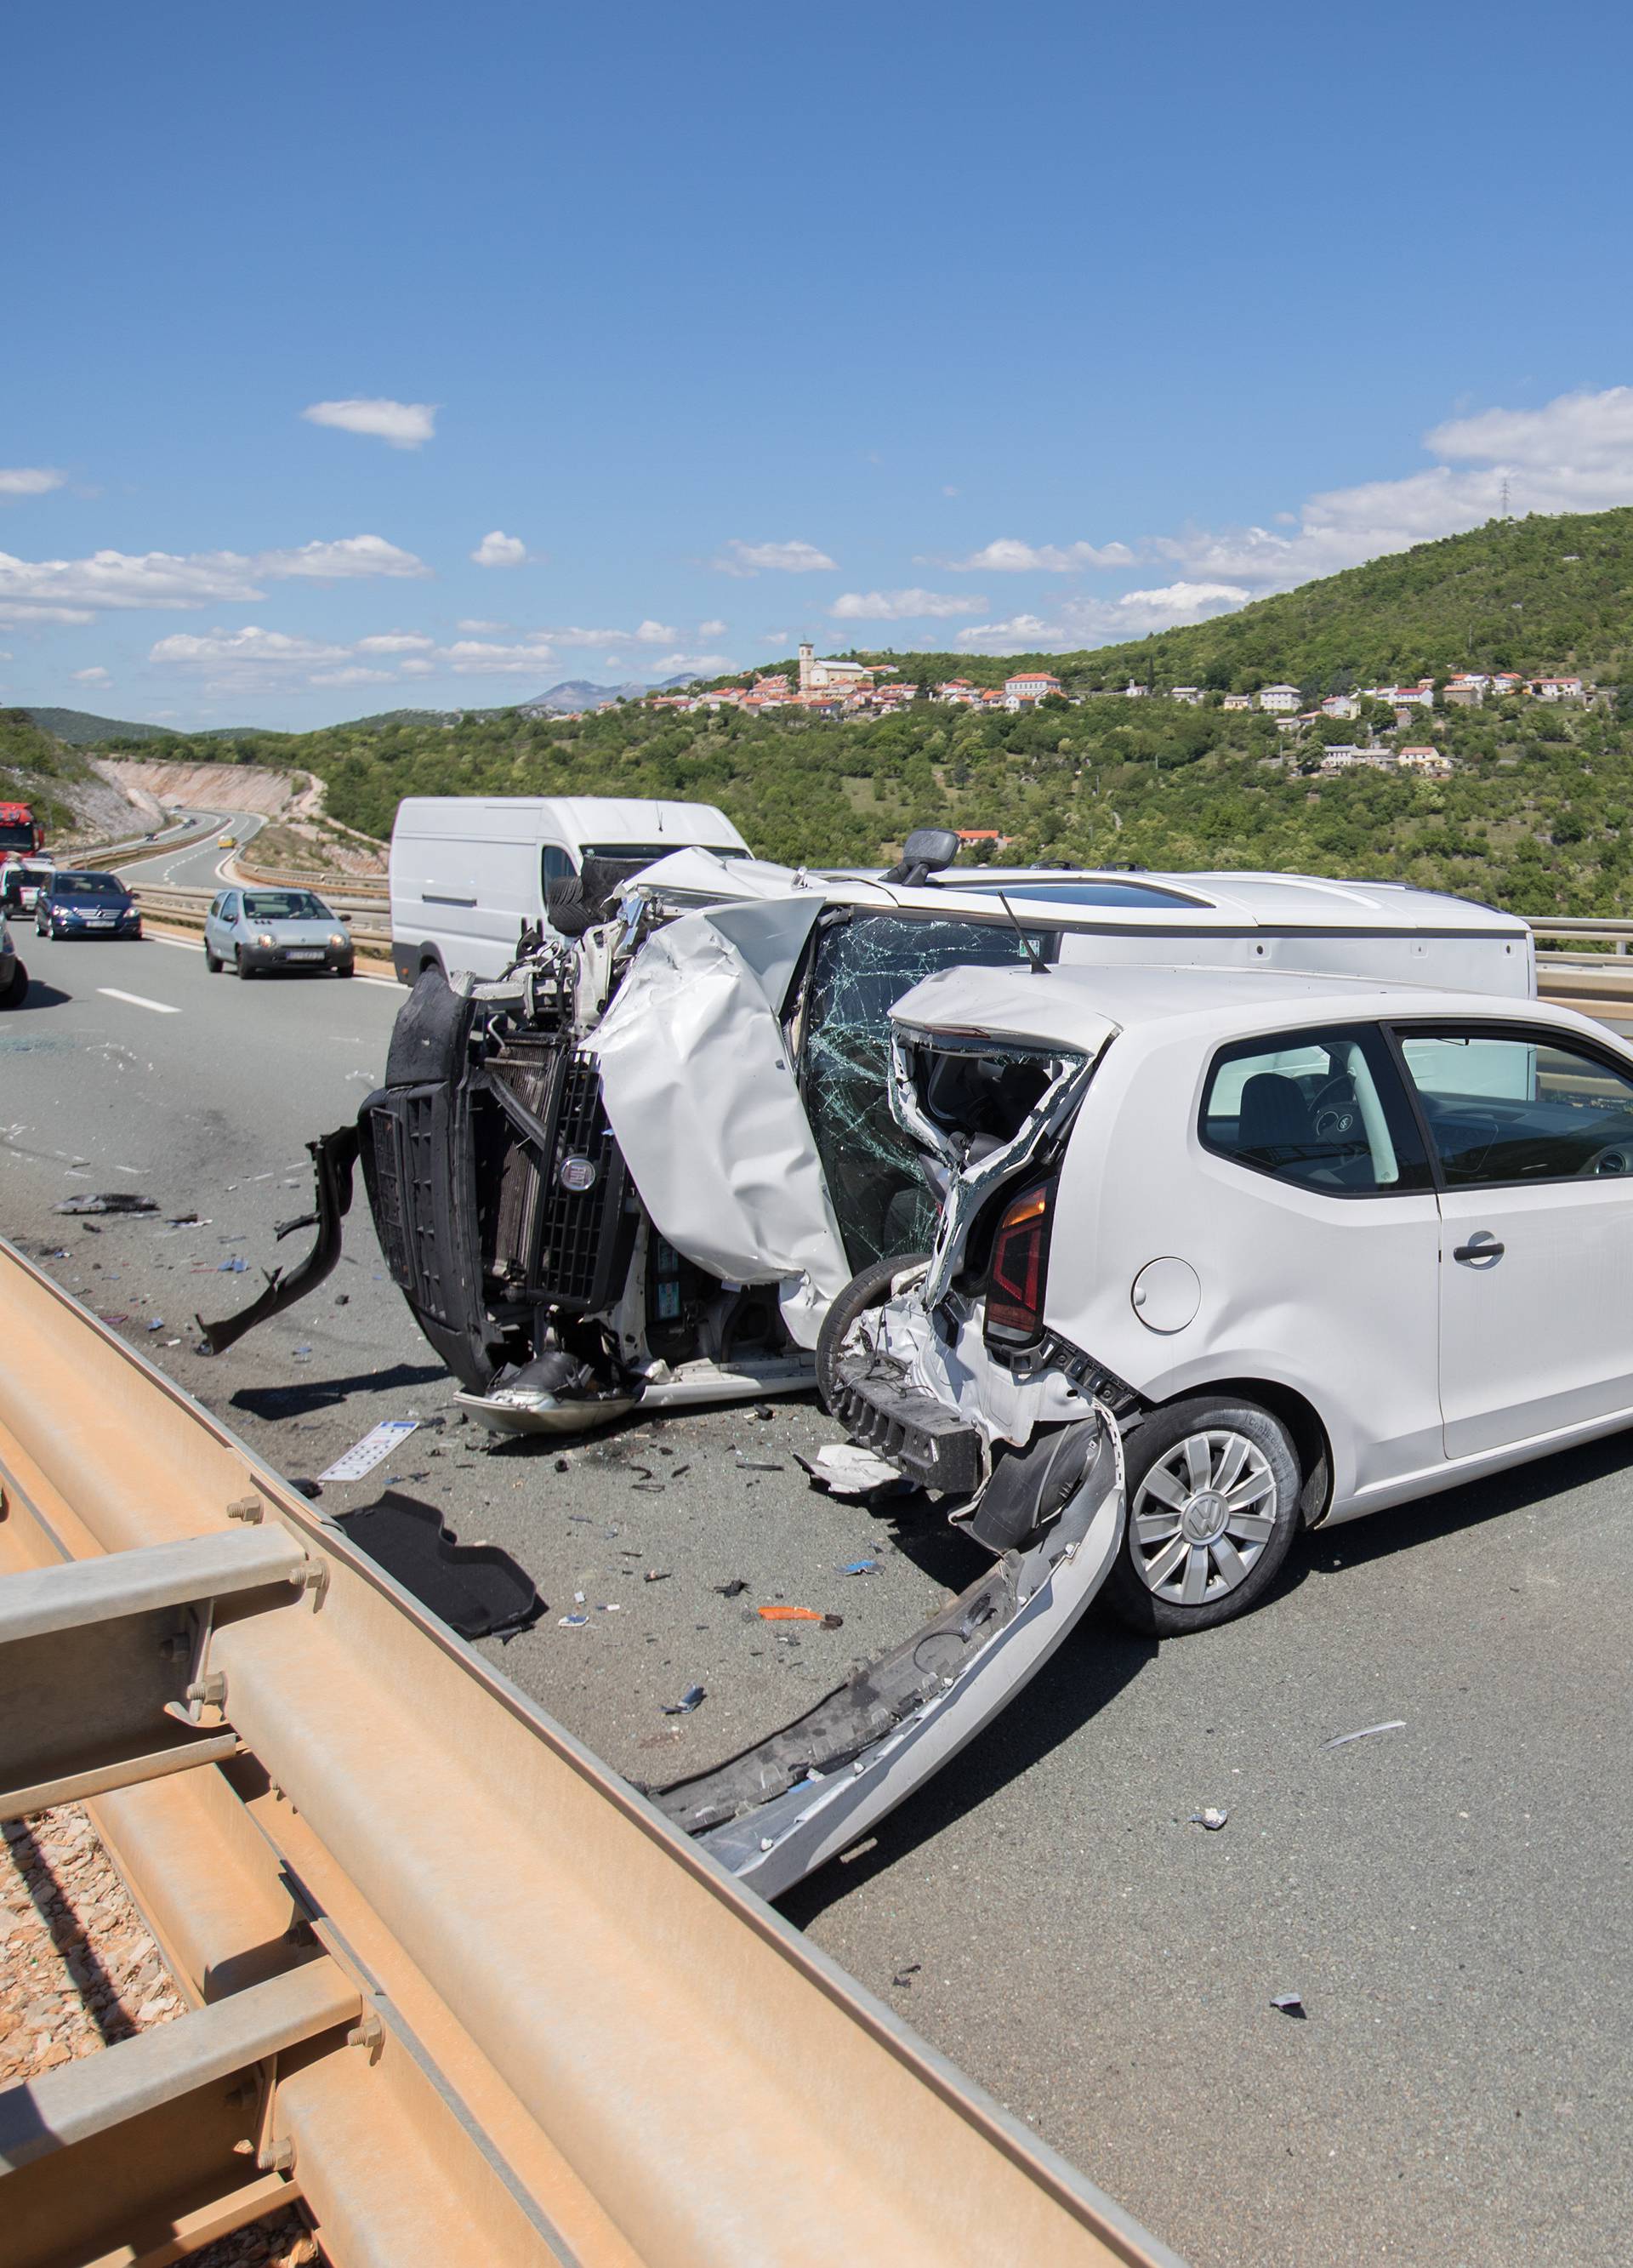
(1019, 1269)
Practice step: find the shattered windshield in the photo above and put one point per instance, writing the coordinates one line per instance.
(862, 967)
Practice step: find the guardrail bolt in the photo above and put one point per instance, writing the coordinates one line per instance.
(369, 2034)
(248, 1508)
(210, 1690)
(277, 2157)
(313, 1576)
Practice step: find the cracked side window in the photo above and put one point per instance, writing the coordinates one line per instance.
(862, 969)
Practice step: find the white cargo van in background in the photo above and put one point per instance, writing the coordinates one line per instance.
(468, 873)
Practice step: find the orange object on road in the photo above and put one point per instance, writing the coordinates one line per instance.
(800, 1615)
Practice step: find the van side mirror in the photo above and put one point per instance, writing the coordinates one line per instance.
(925, 852)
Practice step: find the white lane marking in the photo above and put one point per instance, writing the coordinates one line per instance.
(159, 1007)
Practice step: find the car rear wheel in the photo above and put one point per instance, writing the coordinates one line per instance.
(1214, 1486)
(870, 1289)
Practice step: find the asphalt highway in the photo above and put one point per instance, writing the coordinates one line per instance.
(198, 865)
(1450, 1899)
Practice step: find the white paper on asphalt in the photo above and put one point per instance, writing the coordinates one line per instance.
(375, 1445)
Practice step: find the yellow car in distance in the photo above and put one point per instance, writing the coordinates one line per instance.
(226, 843)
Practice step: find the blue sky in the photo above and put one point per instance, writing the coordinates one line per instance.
(710, 328)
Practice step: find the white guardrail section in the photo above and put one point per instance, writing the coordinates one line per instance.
(453, 1984)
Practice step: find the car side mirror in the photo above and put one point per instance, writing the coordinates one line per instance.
(347, 918)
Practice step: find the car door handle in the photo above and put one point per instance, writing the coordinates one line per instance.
(1492, 1250)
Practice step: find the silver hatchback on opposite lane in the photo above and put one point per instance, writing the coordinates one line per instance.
(250, 930)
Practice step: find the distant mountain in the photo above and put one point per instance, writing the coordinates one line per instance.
(579, 693)
(81, 729)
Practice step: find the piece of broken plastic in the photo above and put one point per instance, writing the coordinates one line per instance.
(1211, 1818)
(687, 1702)
(861, 1567)
(846, 1468)
(1291, 2004)
(734, 1589)
(573, 1621)
(236, 1266)
(110, 1201)
(1342, 1740)
(801, 1615)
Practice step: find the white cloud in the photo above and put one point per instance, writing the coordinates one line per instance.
(353, 675)
(1574, 454)
(418, 669)
(339, 561)
(395, 642)
(1105, 621)
(695, 665)
(498, 549)
(73, 590)
(900, 606)
(711, 630)
(264, 648)
(1006, 555)
(29, 480)
(474, 658)
(403, 424)
(794, 558)
(776, 637)
(98, 676)
(646, 633)
(482, 630)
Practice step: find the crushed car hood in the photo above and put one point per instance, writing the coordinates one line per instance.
(1055, 1008)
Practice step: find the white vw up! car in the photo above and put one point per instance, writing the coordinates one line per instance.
(1319, 1244)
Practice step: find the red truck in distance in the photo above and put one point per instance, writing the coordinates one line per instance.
(21, 833)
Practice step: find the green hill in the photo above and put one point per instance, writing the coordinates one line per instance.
(1538, 814)
(1529, 594)
(79, 729)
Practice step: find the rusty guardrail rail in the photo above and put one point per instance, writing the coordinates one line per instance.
(452, 1983)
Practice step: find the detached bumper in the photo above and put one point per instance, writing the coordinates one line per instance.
(910, 1428)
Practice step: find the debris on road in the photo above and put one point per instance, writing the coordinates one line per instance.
(759, 1465)
(687, 1702)
(236, 1266)
(109, 1200)
(801, 1615)
(657, 1575)
(1290, 2004)
(734, 1589)
(903, 1975)
(861, 1567)
(478, 1589)
(1211, 1818)
(846, 1468)
(571, 1622)
(1395, 1725)
(375, 1445)
(313, 1489)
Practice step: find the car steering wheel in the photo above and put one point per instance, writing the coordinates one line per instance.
(1614, 1157)
(1335, 1111)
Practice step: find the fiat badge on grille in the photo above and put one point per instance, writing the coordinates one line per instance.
(577, 1173)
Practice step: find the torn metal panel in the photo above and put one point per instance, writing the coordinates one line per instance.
(700, 1092)
(333, 1158)
(784, 1807)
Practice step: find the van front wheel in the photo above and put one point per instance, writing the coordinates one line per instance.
(1214, 1485)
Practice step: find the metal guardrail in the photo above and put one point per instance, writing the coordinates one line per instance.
(451, 1982)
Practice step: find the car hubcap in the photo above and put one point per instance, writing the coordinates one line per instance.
(1201, 1516)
